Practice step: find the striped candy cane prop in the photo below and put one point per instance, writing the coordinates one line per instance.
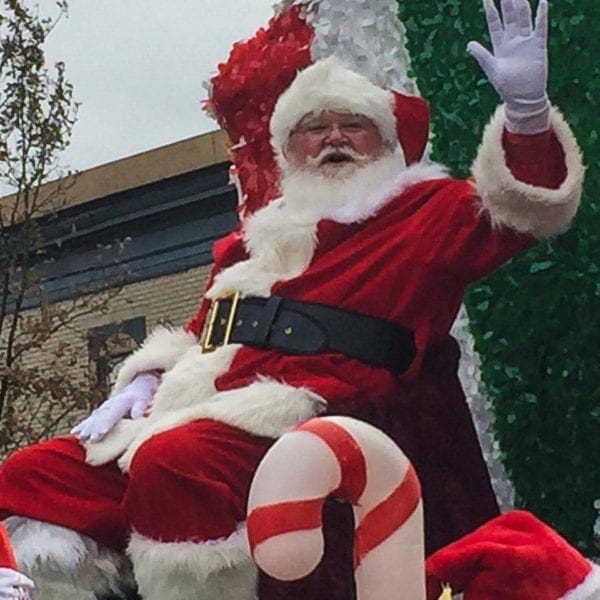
(350, 459)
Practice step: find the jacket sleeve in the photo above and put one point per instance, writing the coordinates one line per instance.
(531, 184)
(523, 188)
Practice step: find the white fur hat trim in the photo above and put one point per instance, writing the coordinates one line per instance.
(330, 85)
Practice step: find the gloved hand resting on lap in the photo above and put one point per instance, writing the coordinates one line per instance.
(14, 585)
(131, 401)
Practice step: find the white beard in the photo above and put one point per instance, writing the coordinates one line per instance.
(281, 237)
(344, 198)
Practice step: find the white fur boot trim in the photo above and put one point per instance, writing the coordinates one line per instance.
(213, 570)
(64, 564)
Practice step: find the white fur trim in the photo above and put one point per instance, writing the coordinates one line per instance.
(189, 383)
(192, 380)
(217, 569)
(523, 207)
(114, 444)
(588, 589)
(65, 564)
(160, 350)
(281, 244)
(329, 84)
(281, 237)
(265, 408)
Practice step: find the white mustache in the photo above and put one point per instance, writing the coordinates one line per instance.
(329, 152)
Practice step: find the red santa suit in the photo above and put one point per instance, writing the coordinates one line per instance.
(402, 246)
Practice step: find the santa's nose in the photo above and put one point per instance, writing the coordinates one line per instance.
(335, 136)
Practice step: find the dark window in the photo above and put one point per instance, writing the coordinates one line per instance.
(110, 344)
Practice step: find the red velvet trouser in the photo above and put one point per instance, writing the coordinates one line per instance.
(190, 483)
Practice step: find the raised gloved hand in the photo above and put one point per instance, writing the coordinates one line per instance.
(14, 585)
(518, 66)
(131, 401)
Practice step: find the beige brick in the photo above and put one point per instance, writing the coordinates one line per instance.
(168, 299)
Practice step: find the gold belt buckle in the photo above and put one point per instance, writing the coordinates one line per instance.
(227, 321)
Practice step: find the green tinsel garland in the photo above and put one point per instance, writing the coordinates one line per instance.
(537, 320)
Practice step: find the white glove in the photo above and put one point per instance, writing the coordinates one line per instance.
(14, 585)
(518, 67)
(131, 401)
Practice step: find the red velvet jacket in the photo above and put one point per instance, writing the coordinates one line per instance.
(409, 263)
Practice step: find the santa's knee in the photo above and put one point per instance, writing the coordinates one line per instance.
(42, 479)
(174, 495)
(22, 465)
(20, 475)
(187, 517)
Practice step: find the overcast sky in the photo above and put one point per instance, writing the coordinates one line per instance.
(137, 67)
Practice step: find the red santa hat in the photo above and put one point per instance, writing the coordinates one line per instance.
(329, 84)
(243, 93)
(513, 557)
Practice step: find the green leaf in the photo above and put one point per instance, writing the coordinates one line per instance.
(540, 266)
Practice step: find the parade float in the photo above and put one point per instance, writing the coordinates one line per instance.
(336, 509)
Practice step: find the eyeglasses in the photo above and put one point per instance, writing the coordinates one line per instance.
(349, 125)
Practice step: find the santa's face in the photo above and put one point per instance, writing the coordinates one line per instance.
(333, 144)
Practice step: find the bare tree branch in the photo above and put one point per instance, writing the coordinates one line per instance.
(37, 115)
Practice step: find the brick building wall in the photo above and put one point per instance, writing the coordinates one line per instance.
(171, 299)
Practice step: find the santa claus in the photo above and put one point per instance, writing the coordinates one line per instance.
(323, 301)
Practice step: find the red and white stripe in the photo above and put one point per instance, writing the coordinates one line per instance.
(346, 458)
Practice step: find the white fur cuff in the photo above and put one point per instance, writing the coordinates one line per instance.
(160, 350)
(521, 206)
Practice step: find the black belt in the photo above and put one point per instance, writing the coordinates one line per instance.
(297, 327)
